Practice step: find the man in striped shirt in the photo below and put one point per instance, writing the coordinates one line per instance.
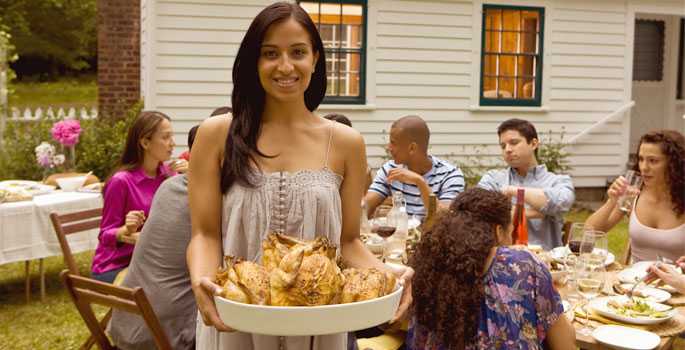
(413, 171)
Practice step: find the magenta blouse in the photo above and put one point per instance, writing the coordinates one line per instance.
(125, 191)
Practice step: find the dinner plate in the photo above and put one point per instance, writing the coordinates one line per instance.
(650, 293)
(559, 254)
(32, 187)
(626, 338)
(308, 320)
(601, 307)
(636, 272)
(568, 311)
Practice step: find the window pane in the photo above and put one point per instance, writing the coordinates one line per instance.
(511, 20)
(525, 88)
(493, 19)
(506, 87)
(529, 42)
(489, 87)
(351, 37)
(510, 42)
(350, 68)
(526, 66)
(490, 65)
(492, 41)
(507, 65)
(530, 21)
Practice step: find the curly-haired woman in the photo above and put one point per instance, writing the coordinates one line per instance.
(657, 223)
(471, 291)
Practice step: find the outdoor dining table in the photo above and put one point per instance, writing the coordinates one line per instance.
(588, 342)
(26, 232)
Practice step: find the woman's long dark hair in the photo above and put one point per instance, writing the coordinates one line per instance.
(672, 144)
(248, 94)
(144, 126)
(449, 262)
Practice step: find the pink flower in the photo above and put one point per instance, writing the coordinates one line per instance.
(66, 132)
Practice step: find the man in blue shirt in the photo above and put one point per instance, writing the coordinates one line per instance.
(413, 171)
(548, 196)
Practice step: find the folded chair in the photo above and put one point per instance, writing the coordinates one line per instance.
(85, 291)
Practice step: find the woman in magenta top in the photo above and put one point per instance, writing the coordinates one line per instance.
(128, 193)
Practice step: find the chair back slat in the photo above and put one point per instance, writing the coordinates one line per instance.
(81, 226)
(80, 215)
(85, 291)
(71, 223)
(99, 299)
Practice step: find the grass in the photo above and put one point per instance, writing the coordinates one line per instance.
(67, 92)
(55, 323)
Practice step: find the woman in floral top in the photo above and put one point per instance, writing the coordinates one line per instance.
(471, 291)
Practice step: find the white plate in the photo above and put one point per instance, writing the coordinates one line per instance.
(559, 254)
(568, 311)
(650, 293)
(639, 270)
(600, 305)
(626, 338)
(308, 320)
(32, 187)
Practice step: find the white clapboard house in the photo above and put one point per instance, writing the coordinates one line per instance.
(601, 71)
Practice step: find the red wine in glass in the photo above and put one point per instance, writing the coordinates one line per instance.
(575, 246)
(385, 231)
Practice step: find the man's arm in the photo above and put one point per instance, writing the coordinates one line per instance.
(551, 200)
(452, 185)
(373, 200)
(378, 191)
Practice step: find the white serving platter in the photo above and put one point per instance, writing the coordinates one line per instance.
(600, 305)
(626, 338)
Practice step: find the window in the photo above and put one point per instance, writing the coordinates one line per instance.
(342, 26)
(681, 62)
(648, 50)
(511, 56)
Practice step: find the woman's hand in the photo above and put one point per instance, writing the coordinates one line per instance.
(204, 296)
(134, 220)
(179, 165)
(617, 188)
(669, 275)
(406, 276)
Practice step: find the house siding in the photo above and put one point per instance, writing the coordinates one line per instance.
(424, 59)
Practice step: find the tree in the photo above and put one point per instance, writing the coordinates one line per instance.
(58, 35)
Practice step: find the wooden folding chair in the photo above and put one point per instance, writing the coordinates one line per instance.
(566, 231)
(85, 291)
(71, 223)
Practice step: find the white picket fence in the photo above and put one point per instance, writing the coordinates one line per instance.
(70, 113)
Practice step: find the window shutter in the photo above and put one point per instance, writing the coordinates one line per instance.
(648, 51)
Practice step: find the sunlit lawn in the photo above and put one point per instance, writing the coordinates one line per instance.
(55, 323)
(67, 92)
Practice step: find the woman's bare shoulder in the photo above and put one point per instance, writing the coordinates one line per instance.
(346, 136)
(216, 126)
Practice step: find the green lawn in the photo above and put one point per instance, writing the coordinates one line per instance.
(67, 92)
(55, 323)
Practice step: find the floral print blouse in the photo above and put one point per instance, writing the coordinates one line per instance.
(519, 306)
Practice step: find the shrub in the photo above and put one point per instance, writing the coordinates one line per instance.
(98, 150)
(552, 153)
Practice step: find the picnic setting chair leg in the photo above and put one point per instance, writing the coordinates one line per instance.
(41, 272)
(90, 342)
(27, 281)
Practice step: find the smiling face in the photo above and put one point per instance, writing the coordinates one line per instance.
(653, 164)
(286, 61)
(516, 151)
(160, 145)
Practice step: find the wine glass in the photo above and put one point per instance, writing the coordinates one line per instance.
(575, 239)
(590, 280)
(385, 227)
(594, 247)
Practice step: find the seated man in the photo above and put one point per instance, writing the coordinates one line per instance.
(413, 172)
(548, 196)
(159, 267)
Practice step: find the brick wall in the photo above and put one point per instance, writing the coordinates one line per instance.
(118, 55)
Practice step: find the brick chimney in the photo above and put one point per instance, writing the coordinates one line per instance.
(118, 56)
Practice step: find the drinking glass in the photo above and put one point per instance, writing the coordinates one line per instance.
(590, 280)
(384, 227)
(575, 240)
(594, 247)
(627, 198)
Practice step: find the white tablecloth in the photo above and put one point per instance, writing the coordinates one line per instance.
(26, 231)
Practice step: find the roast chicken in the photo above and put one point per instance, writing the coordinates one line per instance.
(365, 284)
(244, 281)
(299, 273)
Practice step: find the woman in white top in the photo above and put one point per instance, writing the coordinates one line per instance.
(280, 168)
(657, 221)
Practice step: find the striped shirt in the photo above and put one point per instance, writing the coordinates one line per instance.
(444, 179)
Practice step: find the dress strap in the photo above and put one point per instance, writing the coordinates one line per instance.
(328, 148)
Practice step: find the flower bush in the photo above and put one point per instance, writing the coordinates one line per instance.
(66, 132)
(46, 156)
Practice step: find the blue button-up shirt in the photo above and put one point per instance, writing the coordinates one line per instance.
(560, 195)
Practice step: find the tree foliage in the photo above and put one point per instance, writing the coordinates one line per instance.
(60, 34)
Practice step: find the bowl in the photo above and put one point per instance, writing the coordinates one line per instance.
(308, 320)
(70, 184)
